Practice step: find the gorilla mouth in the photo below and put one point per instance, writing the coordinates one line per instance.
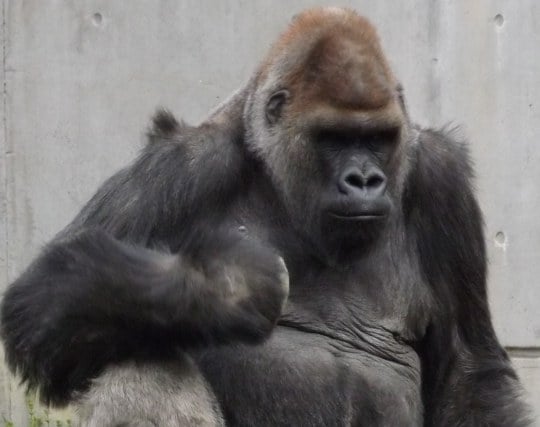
(363, 216)
(347, 211)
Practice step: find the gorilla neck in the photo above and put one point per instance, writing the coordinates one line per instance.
(365, 281)
(341, 249)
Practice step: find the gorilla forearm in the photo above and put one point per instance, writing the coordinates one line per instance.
(479, 390)
(90, 300)
(469, 378)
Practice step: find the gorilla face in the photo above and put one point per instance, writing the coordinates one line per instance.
(338, 172)
(356, 180)
(354, 198)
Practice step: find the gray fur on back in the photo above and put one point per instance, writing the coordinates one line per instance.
(150, 395)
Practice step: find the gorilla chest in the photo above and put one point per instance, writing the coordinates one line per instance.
(339, 355)
(308, 379)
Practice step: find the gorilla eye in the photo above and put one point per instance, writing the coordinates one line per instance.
(275, 106)
(382, 137)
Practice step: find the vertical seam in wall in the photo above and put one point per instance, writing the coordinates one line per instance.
(5, 174)
(434, 41)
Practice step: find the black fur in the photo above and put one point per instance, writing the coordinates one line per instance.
(469, 377)
(165, 126)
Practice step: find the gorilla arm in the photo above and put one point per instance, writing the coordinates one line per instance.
(98, 294)
(468, 379)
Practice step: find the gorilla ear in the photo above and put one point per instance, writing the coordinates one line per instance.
(275, 106)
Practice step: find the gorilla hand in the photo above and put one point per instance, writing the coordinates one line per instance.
(249, 283)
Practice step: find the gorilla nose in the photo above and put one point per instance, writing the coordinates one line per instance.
(371, 183)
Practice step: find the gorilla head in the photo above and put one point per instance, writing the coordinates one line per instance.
(324, 114)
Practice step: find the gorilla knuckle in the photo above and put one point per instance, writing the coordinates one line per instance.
(256, 279)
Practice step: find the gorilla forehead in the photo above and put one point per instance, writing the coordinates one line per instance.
(331, 55)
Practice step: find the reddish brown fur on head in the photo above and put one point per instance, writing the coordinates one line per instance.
(322, 97)
(332, 56)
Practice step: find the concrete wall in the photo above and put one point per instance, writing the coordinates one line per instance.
(81, 78)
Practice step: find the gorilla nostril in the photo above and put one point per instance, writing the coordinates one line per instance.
(375, 181)
(354, 180)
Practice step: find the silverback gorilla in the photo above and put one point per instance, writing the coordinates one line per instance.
(166, 301)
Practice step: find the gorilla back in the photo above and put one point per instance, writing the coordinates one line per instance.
(173, 279)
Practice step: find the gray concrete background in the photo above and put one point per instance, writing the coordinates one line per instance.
(81, 79)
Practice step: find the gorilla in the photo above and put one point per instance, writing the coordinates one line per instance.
(307, 256)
